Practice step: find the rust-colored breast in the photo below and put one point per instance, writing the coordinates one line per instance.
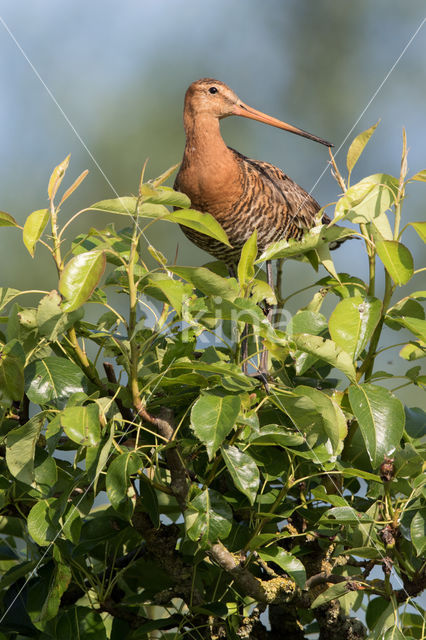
(245, 195)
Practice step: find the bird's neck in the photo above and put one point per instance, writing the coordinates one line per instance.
(203, 138)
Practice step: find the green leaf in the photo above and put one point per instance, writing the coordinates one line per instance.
(11, 378)
(125, 206)
(53, 380)
(415, 325)
(332, 593)
(202, 222)
(80, 277)
(164, 195)
(395, 634)
(326, 350)
(352, 323)
(81, 424)
(174, 291)
(357, 147)
(119, 489)
(305, 321)
(58, 585)
(247, 259)
(333, 418)
(34, 227)
(80, 622)
(368, 199)
(6, 295)
(208, 517)
(6, 220)
(420, 176)
(208, 282)
(312, 239)
(213, 417)
(287, 562)
(397, 260)
(381, 419)
(418, 531)
(51, 320)
(420, 227)
(43, 522)
(243, 470)
(20, 449)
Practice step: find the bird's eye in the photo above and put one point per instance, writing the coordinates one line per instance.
(213, 90)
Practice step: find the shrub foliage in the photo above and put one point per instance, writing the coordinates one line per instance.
(150, 488)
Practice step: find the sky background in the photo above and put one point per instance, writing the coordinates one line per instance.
(118, 74)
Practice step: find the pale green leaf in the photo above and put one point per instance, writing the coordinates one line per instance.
(352, 323)
(34, 227)
(397, 260)
(81, 424)
(326, 350)
(357, 147)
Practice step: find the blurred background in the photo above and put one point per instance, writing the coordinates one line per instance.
(118, 74)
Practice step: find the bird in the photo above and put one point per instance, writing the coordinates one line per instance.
(244, 195)
(241, 193)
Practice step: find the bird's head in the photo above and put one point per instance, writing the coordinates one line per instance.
(215, 99)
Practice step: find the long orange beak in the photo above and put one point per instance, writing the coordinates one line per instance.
(244, 110)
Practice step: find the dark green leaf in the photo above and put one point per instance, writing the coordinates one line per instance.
(243, 470)
(380, 417)
(53, 380)
(213, 417)
(119, 489)
(208, 517)
(332, 593)
(287, 562)
(11, 378)
(80, 622)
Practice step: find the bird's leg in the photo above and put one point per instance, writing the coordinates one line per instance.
(269, 309)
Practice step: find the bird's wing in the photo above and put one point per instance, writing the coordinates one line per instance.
(301, 207)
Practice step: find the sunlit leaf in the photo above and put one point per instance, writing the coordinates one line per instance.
(332, 416)
(164, 195)
(332, 593)
(289, 563)
(246, 262)
(43, 522)
(81, 424)
(20, 449)
(213, 418)
(57, 177)
(352, 323)
(420, 176)
(381, 419)
(173, 291)
(357, 147)
(34, 227)
(415, 325)
(326, 350)
(80, 277)
(368, 199)
(420, 227)
(74, 186)
(208, 282)
(243, 470)
(202, 222)
(53, 379)
(125, 205)
(397, 260)
(6, 220)
(312, 239)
